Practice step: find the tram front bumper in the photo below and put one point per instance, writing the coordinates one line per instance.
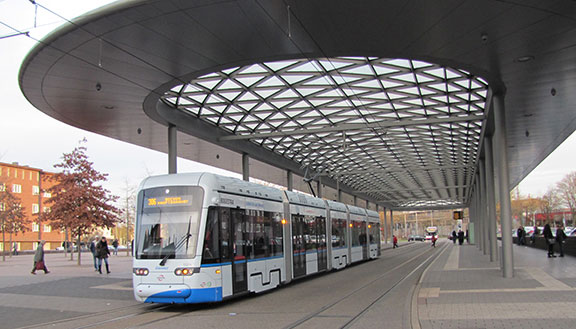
(177, 294)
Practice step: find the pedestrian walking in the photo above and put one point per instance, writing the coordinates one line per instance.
(434, 238)
(460, 237)
(561, 239)
(454, 237)
(39, 263)
(549, 238)
(93, 251)
(15, 249)
(394, 242)
(102, 253)
(115, 245)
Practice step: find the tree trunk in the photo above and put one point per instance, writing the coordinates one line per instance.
(79, 250)
(3, 242)
(10, 245)
(65, 245)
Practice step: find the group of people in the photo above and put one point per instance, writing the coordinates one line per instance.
(98, 247)
(560, 239)
(460, 236)
(100, 252)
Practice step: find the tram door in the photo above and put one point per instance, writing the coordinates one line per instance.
(298, 246)
(321, 238)
(240, 251)
(364, 240)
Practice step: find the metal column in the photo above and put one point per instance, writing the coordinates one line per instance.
(356, 201)
(245, 167)
(319, 188)
(484, 213)
(501, 165)
(491, 196)
(289, 180)
(385, 226)
(391, 223)
(172, 151)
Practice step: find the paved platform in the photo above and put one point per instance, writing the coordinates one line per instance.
(463, 289)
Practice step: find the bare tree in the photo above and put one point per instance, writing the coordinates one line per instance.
(567, 191)
(12, 218)
(550, 202)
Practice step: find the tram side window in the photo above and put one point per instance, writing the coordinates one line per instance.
(338, 233)
(263, 234)
(310, 235)
(211, 250)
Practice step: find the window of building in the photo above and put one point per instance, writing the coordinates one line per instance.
(35, 227)
(35, 208)
(16, 188)
(30, 175)
(2, 207)
(47, 228)
(2, 187)
(0, 171)
(8, 172)
(35, 190)
(47, 195)
(45, 209)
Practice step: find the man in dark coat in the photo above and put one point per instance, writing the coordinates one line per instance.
(547, 233)
(454, 236)
(560, 238)
(93, 251)
(102, 253)
(39, 259)
(460, 237)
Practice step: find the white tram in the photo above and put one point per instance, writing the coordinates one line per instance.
(201, 237)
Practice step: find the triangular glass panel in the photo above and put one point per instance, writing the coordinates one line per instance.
(277, 66)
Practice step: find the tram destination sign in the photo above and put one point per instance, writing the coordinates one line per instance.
(168, 201)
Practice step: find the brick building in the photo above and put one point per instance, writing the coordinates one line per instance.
(26, 183)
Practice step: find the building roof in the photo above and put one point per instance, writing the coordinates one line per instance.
(392, 99)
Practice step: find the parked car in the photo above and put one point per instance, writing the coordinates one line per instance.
(416, 238)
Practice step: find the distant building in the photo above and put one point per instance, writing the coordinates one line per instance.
(27, 184)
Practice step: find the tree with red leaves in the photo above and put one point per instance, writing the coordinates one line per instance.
(79, 203)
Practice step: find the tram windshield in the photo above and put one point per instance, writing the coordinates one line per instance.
(167, 223)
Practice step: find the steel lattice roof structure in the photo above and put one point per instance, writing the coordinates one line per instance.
(390, 101)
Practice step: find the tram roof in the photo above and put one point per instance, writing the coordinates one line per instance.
(392, 99)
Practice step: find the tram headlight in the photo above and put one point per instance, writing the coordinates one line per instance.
(140, 271)
(183, 271)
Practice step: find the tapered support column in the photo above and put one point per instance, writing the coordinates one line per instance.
(356, 201)
(386, 228)
(319, 191)
(501, 165)
(289, 180)
(245, 167)
(483, 212)
(391, 223)
(491, 198)
(172, 150)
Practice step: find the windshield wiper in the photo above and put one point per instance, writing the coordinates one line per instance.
(185, 238)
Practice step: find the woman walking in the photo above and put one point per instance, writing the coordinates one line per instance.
(39, 259)
(549, 238)
(102, 253)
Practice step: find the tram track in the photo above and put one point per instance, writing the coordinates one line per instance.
(350, 322)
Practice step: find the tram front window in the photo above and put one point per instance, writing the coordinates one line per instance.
(168, 220)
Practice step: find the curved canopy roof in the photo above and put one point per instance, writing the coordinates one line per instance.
(390, 99)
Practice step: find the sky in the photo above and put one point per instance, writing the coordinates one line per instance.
(29, 137)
